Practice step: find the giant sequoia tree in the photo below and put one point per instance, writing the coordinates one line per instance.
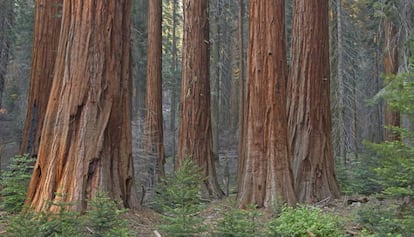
(195, 136)
(154, 120)
(309, 105)
(86, 139)
(45, 42)
(264, 170)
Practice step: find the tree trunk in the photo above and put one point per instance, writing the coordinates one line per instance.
(45, 44)
(195, 137)
(341, 85)
(154, 145)
(86, 139)
(309, 115)
(265, 177)
(174, 86)
(392, 117)
(6, 22)
(139, 52)
(215, 78)
(242, 93)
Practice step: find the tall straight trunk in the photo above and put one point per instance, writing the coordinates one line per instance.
(235, 79)
(195, 136)
(265, 177)
(309, 115)
(391, 117)
(6, 22)
(242, 93)
(45, 44)
(174, 89)
(140, 17)
(86, 138)
(341, 86)
(215, 72)
(154, 144)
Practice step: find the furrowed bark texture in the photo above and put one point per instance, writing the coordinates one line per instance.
(86, 139)
(265, 178)
(195, 136)
(390, 58)
(154, 145)
(309, 115)
(45, 44)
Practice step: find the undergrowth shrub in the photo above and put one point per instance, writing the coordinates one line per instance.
(34, 224)
(386, 220)
(14, 182)
(178, 199)
(238, 222)
(396, 158)
(358, 176)
(102, 219)
(304, 221)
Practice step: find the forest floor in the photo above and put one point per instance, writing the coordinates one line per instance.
(144, 222)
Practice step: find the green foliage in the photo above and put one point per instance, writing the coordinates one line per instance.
(239, 223)
(383, 220)
(396, 158)
(358, 176)
(396, 169)
(32, 224)
(103, 217)
(303, 221)
(15, 182)
(178, 199)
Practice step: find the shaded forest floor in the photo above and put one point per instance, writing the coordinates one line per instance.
(144, 222)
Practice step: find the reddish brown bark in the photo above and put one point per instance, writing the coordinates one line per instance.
(195, 136)
(265, 177)
(391, 117)
(45, 43)
(86, 139)
(154, 120)
(309, 115)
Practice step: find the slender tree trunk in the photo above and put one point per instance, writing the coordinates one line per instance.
(195, 136)
(45, 44)
(392, 117)
(154, 144)
(242, 93)
(174, 89)
(140, 17)
(309, 104)
(216, 71)
(341, 86)
(235, 78)
(265, 177)
(86, 139)
(6, 22)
